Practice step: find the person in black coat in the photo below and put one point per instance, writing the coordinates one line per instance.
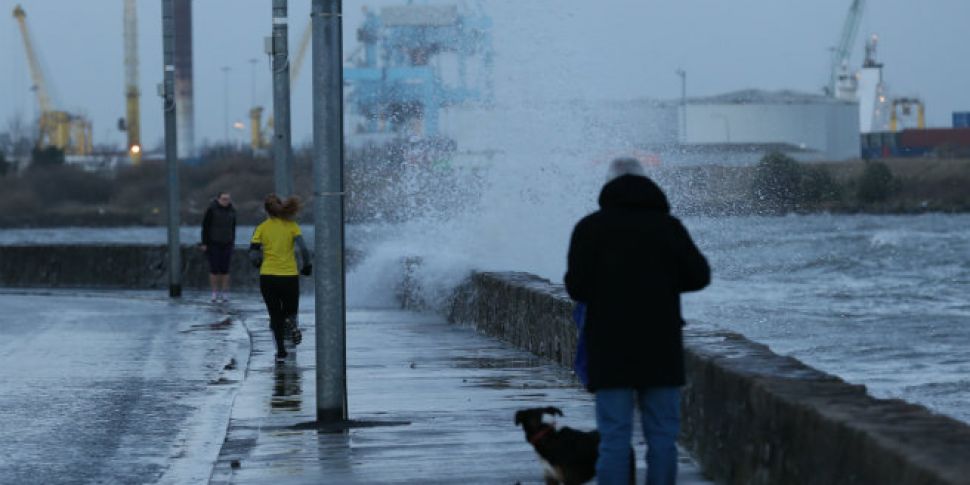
(629, 262)
(218, 241)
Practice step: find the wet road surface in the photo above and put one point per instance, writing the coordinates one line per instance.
(113, 387)
(129, 387)
(439, 400)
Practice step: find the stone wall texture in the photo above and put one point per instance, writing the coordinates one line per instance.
(119, 266)
(749, 416)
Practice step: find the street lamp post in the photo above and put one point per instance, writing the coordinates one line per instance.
(252, 73)
(225, 103)
(683, 105)
(328, 212)
(282, 145)
(167, 91)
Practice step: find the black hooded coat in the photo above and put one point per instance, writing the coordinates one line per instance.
(219, 224)
(629, 262)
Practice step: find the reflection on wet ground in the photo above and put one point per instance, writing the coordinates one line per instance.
(113, 386)
(480, 362)
(287, 395)
(429, 402)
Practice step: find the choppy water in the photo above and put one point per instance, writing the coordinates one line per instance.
(877, 300)
(136, 235)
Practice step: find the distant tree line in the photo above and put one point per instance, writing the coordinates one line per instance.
(781, 184)
(386, 183)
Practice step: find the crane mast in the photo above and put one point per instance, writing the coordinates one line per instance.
(36, 74)
(257, 137)
(301, 51)
(56, 128)
(132, 94)
(842, 52)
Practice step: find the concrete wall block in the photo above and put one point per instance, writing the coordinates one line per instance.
(121, 266)
(111, 266)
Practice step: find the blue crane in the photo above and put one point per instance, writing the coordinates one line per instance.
(397, 78)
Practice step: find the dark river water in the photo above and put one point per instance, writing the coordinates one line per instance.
(878, 300)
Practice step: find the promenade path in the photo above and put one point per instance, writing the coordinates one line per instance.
(101, 386)
(439, 398)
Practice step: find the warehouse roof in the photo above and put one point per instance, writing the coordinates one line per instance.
(759, 96)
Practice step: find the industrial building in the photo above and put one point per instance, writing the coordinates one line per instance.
(397, 78)
(821, 127)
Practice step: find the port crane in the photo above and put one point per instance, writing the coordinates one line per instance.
(68, 132)
(257, 132)
(397, 82)
(906, 105)
(839, 72)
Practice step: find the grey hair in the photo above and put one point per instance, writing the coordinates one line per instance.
(624, 166)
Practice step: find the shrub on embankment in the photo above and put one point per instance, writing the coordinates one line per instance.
(779, 185)
(380, 183)
(384, 184)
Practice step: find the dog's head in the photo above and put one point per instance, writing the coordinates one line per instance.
(531, 418)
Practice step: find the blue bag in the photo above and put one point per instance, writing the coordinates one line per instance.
(579, 363)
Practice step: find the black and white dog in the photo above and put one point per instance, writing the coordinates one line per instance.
(568, 455)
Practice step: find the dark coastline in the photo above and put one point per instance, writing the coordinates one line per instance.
(918, 186)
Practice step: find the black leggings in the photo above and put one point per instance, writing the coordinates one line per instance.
(282, 297)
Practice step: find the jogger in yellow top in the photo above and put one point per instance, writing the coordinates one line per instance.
(272, 250)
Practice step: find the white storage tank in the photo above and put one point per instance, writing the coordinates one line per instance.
(822, 125)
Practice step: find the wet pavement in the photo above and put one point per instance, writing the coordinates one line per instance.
(131, 387)
(113, 387)
(438, 401)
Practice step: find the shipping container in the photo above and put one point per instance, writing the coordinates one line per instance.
(915, 143)
(934, 137)
(961, 119)
(879, 144)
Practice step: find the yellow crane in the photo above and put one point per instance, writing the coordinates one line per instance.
(71, 133)
(257, 136)
(907, 107)
(132, 95)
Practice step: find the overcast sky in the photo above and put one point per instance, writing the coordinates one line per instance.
(545, 49)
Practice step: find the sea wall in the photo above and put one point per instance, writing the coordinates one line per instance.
(749, 416)
(118, 266)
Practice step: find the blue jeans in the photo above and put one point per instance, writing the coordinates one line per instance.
(660, 415)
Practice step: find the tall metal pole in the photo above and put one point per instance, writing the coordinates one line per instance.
(184, 79)
(282, 148)
(683, 105)
(225, 104)
(171, 147)
(252, 80)
(328, 211)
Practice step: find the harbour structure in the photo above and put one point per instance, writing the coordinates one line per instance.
(823, 127)
(131, 123)
(412, 61)
(184, 90)
(66, 131)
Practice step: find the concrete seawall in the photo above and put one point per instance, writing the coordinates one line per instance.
(118, 266)
(749, 416)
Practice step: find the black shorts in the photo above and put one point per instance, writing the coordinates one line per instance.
(220, 255)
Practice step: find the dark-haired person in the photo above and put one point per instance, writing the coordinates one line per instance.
(629, 262)
(272, 249)
(218, 240)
